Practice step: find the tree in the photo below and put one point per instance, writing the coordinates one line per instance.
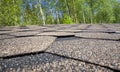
(10, 12)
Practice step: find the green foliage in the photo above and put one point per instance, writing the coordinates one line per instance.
(19, 12)
(67, 19)
(9, 12)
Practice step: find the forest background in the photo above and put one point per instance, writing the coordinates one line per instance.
(42, 12)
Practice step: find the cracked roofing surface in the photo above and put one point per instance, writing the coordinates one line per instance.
(60, 48)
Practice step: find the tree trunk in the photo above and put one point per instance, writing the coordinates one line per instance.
(57, 16)
(52, 16)
(84, 17)
(42, 13)
(75, 14)
(67, 7)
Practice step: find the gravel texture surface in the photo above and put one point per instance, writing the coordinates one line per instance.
(99, 35)
(47, 63)
(22, 45)
(96, 27)
(93, 48)
(7, 28)
(98, 31)
(5, 36)
(88, 31)
(5, 32)
(21, 29)
(74, 27)
(72, 31)
(101, 52)
(29, 33)
(56, 34)
(115, 27)
(35, 27)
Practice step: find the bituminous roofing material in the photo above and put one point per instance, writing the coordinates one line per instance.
(56, 34)
(96, 51)
(28, 33)
(47, 62)
(99, 35)
(72, 48)
(23, 45)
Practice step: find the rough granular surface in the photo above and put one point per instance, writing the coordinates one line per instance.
(28, 33)
(5, 36)
(60, 48)
(56, 34)
(99, 35)
(96, 51)
(48, 63)
(23, 45)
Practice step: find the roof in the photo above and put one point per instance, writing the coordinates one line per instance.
(60, 48)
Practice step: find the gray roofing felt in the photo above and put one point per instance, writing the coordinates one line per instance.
(60, 48)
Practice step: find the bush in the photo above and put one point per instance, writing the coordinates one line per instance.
(67, 19)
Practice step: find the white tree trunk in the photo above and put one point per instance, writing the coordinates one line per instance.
(57, 16)
(41, 12)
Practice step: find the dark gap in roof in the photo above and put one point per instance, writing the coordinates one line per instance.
(4, 34)
(94, 31)
(110, 32)
(99, 39)
(118, 40)
(49, 31)
(24, 27)
(5, 30)
(66, 36)
(76, 38)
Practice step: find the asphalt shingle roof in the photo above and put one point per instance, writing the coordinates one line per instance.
(60, 48)
(23, 45)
